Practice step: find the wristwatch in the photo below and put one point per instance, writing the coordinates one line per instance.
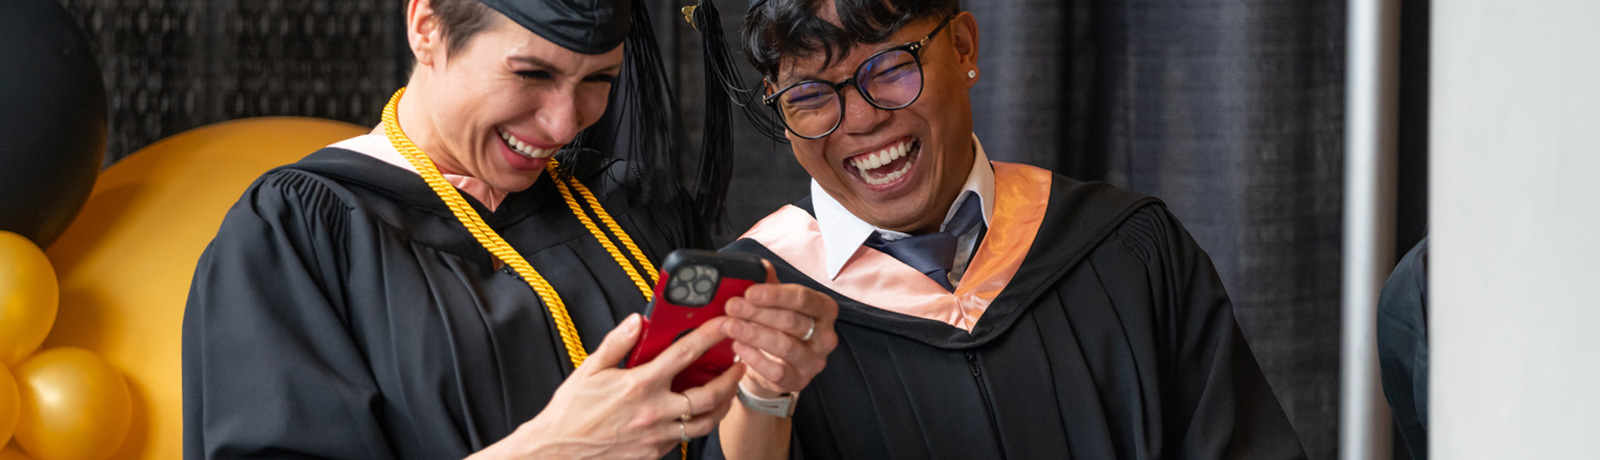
(782, 406)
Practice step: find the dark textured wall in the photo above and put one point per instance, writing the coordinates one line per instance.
(172, 65)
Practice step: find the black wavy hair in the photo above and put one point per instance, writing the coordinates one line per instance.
(774, 29)
(777, 28)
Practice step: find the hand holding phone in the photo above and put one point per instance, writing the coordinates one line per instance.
(693, 288)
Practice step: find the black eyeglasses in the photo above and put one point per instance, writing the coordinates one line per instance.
(889, 80)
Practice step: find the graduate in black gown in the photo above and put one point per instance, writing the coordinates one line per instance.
(987, 309)
(344, 309)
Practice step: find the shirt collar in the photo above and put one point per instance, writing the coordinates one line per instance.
(843, 233)
(378, 146)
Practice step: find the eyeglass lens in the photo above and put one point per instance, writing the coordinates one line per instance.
(889, 81)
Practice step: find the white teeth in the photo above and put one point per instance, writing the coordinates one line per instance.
(864, 163)
(888, 178)
(524, 149)
(881, 157)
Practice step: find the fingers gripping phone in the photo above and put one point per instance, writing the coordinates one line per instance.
(694, 286)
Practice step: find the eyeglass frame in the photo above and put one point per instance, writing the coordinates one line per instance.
(914, 48)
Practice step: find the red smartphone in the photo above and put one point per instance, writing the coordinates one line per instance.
(693, 288)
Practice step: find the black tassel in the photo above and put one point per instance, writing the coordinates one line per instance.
(722, 76)
(639, 126)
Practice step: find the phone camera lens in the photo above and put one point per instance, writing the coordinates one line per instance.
(693, 285)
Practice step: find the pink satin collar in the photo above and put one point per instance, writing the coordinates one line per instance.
(378, 146)
(1022, 193)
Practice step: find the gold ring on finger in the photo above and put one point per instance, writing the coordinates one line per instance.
(687, 414)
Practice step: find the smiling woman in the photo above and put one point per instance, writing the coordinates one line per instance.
(499, 108)
(443, 287)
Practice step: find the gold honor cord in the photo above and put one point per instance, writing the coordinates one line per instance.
(503, 251)
(583, 217)
(611, 224)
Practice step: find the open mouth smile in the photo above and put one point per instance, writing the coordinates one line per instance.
(886, 165)
(520, 148)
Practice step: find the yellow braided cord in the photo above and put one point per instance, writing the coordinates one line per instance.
(481, 231)
(611, 224)
(605, 241)
(503, 251)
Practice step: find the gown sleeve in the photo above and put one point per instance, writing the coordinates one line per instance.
(269, 366)
(1219, 402)
(1402, 328)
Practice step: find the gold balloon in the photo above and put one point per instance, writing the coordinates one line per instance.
(28, 296)
(10, 405)
(75, 406)
(11, 453)
(126, 262)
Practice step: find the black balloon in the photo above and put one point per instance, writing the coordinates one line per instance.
(52, 119)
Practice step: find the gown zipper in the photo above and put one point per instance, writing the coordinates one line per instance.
(983, 393)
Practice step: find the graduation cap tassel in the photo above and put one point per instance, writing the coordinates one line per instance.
(723, 70)
(722, 76)
(640, 126)
(714, 171)
(653, 99)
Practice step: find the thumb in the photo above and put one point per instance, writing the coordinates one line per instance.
(617, 344)
(772, 273)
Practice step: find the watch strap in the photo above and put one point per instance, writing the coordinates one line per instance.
(782, 406)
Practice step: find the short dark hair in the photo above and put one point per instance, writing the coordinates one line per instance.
(777, 28)
(460, 20)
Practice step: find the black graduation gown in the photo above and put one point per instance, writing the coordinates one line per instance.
(1114, 339)
(343, 312)
(1403, 347)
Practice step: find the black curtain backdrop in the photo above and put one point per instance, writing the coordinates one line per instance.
(1229, 110)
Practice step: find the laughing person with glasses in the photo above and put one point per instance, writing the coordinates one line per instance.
(986, 309)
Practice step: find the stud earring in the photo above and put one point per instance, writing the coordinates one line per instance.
(972, 74)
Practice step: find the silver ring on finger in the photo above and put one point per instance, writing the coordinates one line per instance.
(683, 433)
(810, 331)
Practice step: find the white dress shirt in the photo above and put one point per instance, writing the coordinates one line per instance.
(843, 233)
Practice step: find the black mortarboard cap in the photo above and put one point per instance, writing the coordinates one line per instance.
(638, 126)
(584, 26)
